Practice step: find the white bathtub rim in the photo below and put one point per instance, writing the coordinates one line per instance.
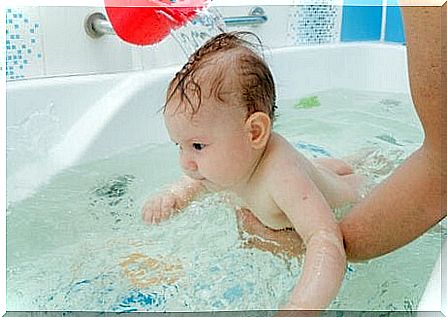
(63, 79)
(434, 298)
(338, 45)
(50, 81)
(280, 57)
(65, 153)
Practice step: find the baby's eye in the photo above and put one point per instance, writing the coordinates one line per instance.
(198, 146)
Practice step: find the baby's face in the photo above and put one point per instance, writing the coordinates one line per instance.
(214, 144)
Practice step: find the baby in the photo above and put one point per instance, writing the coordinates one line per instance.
(219, 111)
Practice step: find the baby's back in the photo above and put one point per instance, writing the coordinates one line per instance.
(333, 177)
(282, 157)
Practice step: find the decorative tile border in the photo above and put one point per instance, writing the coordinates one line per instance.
(314, 24)
(24, 56)
(306, 25)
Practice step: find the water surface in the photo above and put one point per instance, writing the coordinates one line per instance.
(79, 243)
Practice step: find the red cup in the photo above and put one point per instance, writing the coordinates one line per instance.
(146, 22)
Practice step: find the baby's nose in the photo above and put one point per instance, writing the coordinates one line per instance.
(188, 164)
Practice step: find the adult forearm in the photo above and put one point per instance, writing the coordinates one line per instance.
(399, 210)
(425, 35)
(413, 199)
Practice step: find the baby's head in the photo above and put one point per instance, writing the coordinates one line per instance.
(228, 70)
(219, 110)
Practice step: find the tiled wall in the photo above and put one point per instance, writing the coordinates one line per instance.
(51, 41)
(314, 24)
(372, 23)
(24, 55)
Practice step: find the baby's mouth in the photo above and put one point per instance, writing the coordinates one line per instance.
(197, 178)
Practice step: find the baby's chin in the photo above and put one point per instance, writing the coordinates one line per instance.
(211, 186)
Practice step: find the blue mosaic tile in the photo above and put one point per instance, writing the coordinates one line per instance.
(24, 56)
(314, 24)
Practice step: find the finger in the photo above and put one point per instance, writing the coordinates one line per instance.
(156, 218)
(166, 213)
(146, 214)
(168, 204)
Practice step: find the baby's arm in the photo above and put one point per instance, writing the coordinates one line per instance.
(312, 218)
(167, 203)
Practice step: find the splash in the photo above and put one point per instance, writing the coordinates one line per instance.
(207, 24)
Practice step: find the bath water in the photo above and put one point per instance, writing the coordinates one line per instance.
(79, 242)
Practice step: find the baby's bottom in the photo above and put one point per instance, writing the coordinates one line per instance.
(338, 166)
(255, 235)
(343, 186)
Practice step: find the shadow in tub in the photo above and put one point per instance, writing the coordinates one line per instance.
(113, 196)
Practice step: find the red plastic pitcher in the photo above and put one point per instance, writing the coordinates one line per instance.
(146, 22)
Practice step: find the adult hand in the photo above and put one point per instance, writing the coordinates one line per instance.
(286, 242)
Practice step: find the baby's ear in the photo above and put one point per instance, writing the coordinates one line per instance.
(259, 125)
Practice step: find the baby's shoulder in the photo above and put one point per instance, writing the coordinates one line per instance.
(281, 152)
(282, 158)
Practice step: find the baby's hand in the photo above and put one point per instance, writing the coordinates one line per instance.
(161, 207)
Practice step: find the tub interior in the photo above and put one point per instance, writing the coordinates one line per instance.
(54, 123)
(80, 170)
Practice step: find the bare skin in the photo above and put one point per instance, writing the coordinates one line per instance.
(221, 149)
(413, 199)
(288, 242)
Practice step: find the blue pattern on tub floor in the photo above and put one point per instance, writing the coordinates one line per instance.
(312, 149)
(136, 300)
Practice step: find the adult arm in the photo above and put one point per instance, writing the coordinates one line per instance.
(413, 198)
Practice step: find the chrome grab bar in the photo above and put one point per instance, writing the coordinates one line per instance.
(97, 25)
(256, 16)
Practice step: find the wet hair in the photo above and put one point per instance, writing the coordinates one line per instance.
(233, 70)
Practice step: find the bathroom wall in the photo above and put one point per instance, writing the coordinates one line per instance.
(372, 23)
(51, 41)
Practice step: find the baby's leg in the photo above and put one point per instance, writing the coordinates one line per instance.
(339, 183)
(357, 183)
(338, 166)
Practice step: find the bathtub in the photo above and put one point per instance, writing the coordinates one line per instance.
(56, 123)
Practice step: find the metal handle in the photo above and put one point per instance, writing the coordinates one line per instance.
(255, 16)
(97, 25)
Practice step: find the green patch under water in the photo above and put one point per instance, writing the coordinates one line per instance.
(308, 102)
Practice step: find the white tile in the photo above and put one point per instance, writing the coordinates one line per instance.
(165, 53)
(175, 48)
(273, 32)
(69, 50)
